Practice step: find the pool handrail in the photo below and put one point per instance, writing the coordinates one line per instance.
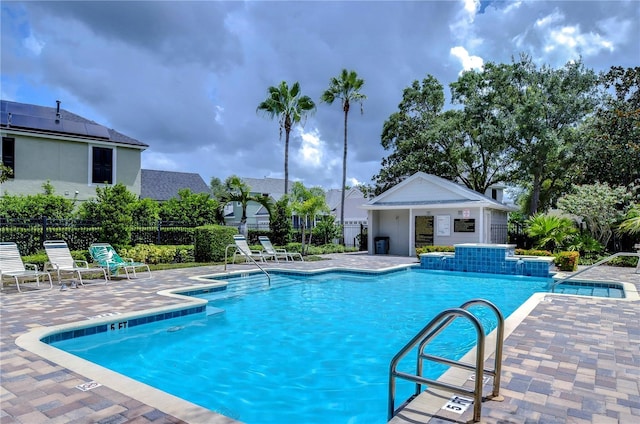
(432, 329)
(600, 262)
(226, 250)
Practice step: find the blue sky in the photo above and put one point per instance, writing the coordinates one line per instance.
(186, 77)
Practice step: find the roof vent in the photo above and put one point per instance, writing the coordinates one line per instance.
(9, 115)
(58, 111)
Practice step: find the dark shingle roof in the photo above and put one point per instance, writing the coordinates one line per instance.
(44, 120)
(164, 185)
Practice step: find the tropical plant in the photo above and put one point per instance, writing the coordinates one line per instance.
(280, 222)
(307, 203)
(550, 231)
(290, 107)
(631, 224)
(599, 206)
(236, 190)
(347, 88)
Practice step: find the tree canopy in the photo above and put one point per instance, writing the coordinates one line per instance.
(516, 123)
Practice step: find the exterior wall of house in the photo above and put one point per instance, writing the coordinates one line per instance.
(418, 189)
(395, 225)
(65, 164)
(444, 231)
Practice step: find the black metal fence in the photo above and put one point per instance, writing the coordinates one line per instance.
(79, 234)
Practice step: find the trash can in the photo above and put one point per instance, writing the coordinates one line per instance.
(381, 245)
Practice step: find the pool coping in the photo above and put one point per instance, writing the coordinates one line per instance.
(185, 410)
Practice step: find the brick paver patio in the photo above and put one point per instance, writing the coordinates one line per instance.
(571, 360)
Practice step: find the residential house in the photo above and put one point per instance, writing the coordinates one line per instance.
(74, 154)
(428, 210)
(258, 216)
(355, 217)
(164, 185)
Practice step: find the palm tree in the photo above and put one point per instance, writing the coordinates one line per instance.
(346, 88)
(307, 203)
(550, 231)
(237, 190)
(290, 107)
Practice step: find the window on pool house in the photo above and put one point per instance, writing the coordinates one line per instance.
(102, 165)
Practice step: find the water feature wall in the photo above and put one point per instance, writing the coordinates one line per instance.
(488, 258)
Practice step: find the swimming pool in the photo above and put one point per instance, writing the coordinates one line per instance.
(308, 349)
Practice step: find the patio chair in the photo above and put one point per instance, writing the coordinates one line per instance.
(61, 261)
(11, 266)
(278, 253)
(243, 248)
(106, 257)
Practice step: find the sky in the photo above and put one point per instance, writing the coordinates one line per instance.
(186, 77)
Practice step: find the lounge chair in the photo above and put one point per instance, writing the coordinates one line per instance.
(61, 261)
(278, 253)
(243, 248)
(11, 266)
(106, 257)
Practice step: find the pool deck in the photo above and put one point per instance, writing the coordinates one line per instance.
(571, 359)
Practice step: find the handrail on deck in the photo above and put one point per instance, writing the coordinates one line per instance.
(600, 262)
(226, 250)
(432, 329)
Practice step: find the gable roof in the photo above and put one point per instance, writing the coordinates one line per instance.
(164, 185)
(47, 120)
(431, 191)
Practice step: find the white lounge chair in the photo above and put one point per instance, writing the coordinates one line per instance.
(278, 253)
(11, 266)
(61, 261)
(106, 257)
(243, 248)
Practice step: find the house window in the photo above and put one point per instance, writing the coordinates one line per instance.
(9, 154)
(494, 194)
(102, 165)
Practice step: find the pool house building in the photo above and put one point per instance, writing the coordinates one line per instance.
(427, 210)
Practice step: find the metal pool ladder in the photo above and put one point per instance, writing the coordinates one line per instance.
(427, 334)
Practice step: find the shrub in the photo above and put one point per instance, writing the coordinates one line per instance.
(211, 242)
(624, 261)
(150, 254)
(532, 252)
(428, 249)
(567, 261)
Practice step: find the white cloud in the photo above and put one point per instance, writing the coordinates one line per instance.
(552, 18)
(34, 45)
(311, 152)
(576, 43)
(468, 62)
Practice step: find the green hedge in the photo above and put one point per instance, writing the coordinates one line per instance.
(533, 252)
(211, 241)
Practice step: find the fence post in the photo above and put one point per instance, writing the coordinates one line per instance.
(158, 234)
(44, 228)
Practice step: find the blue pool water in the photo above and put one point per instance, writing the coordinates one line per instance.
(308, 349)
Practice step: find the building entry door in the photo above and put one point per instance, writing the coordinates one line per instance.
(424, 231)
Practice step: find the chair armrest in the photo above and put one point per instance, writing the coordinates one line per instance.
(50, 265)
(34, 266)
(81, 264)
(129, 260)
